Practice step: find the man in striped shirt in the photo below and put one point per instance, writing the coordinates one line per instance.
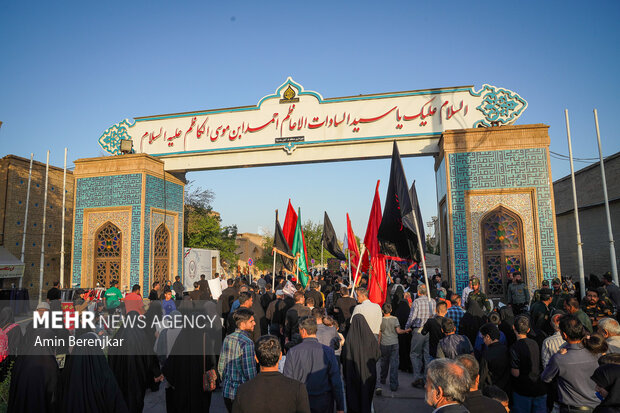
(552, 344)
(422, 309)
(237, 364)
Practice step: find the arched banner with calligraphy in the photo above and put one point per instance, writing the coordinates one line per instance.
(293, 118)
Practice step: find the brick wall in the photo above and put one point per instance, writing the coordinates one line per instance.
(592, 218)
(13, 192)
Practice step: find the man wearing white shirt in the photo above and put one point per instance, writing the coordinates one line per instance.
(466, 292)
(371, 311)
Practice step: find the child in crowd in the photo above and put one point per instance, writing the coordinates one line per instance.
(388, 342)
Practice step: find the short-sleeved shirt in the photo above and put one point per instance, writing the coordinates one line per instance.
(113, 297)
(525, 356)
(133, 302)
(389, 336)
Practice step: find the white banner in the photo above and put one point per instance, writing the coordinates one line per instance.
(293, 116)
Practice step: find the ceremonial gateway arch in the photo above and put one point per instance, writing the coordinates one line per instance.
(494, 193)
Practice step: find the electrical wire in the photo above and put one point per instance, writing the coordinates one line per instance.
(575, 159)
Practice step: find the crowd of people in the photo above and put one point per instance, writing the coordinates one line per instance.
(328, 347)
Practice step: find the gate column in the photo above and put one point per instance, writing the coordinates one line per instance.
(135, 194)
(484, 170)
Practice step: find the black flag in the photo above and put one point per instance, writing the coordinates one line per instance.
(397, 235)
(329, 240)
(413, 196)
(281, 246)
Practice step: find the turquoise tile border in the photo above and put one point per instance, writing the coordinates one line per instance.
(501, 169)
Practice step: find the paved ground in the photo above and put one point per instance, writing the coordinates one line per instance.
(406, 398)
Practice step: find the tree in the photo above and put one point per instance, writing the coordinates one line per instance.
(203, 227)
(312, 233)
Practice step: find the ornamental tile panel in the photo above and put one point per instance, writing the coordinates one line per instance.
(102, 192)
(172, 202)
(518, 168)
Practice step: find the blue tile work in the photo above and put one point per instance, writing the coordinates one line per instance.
(501, 169)
(173, 201)
(107, 191)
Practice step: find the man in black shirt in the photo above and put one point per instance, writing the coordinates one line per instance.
(53, 296)
(267, 297)
(344, 308)
(229, 295)
(276, 314)
(257, 395)
(494, 363)
(154, 294)
(529, 391)
(474, 400)
(432, 327)
(294, 314)
(315, 294)
(54, 292)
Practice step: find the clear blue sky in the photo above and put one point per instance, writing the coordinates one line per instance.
(69, 70)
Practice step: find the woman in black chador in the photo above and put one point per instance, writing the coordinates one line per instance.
(34, 379)
(359, 358)
(134, 365)
(88, 384)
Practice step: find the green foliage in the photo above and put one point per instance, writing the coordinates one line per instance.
(203, 227)
(312, 233)
(266, 261)
(5, 385)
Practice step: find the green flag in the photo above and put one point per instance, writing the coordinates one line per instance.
(298, 250)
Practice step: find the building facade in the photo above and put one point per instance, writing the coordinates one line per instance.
(128, 222)
(249, 246)
(14, 172)
(592, 217)
(496, 206)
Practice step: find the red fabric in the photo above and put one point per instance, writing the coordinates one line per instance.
(352, 243)
(290, 222)
(377, 288)
(133, 302)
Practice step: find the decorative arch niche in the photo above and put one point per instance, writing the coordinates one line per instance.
(108, 254)
(503, 249)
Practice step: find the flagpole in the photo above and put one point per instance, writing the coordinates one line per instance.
(582, 281)
(321, 253)
(349, 267)
(47, 168)
(417, 230)
(357, 270)
(273, 274)
(62, 236)
(26, 219)
(612, 249)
